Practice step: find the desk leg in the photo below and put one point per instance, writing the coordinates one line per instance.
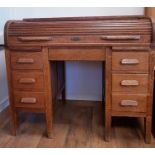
(13, 120)
(12, 110)
(148, 129)
(48, 93)
(108, 95)
(49, 116)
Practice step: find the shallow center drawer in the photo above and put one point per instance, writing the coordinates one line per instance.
(77, 53)
(130, 82)
(130, 61)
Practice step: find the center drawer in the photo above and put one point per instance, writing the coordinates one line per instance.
(130, 61)
(130, 83)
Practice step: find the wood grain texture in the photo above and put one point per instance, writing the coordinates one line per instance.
(141, 59)
(108, 98)
(40, 47)
(13, 112)
(68, 133)
(26, 60)
(90, 31)
(141, 79)
(119, 98)
(87, 54)
(28, 81)
(128, 91)
(48, 93)
(29, 99)
(150, 12)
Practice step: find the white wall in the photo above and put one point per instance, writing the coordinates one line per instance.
(83, 79)
(3, 82)
(5, 14)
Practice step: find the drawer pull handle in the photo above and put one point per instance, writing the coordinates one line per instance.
(131, 103)
(28, 100)
(27, 39)
(27, 80)
(129, 61)
(129, 83)
(121, 37)
(75, 38)
(25, 61)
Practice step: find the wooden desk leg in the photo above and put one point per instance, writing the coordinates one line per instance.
(48, 116)
(48, 93)
(148, 129)
(13, 112)
(13, 120)
(108, 95)
(64, 82)
(107, 126)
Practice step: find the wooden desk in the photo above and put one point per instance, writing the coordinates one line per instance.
(153, 61)
(37, 48)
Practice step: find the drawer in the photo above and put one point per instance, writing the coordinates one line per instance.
(130, 61)
(26, 60)
(76, 38)
(129, 102)
(29, 99)
(130, 83)
(28, 81)
(72, 53)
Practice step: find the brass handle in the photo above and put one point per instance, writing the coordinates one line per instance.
(132, 103)
(121, 37)
(28, 100)
(27, 39)
(129, 83)
(27, 80)
(76, 38)
(25, 61)
(129, 61)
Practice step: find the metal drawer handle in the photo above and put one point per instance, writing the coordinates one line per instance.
(25, 61)
(28, 100)
(131, 103)
(121, 37)
(75, 38)
(27, 80)
(27, 39)
(129, 83)
(129, 61)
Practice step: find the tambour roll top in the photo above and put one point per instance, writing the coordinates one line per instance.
(104, 31)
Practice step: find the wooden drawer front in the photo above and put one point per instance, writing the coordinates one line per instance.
(130, 83)
(94, 54)
(28, 81)
(26, 60)
(29, 99)
(77, 39)
(130, 61)
(129, 102)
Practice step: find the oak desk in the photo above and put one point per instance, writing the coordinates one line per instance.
(37, 48)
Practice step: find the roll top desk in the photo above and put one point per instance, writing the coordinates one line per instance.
(36, 51)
